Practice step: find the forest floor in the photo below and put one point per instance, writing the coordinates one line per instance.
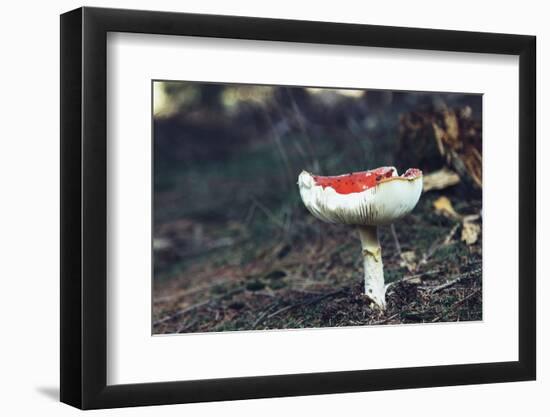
(308, 274)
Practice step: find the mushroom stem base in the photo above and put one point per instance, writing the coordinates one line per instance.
(375, 288)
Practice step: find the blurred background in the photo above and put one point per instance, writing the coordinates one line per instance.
(234, 247)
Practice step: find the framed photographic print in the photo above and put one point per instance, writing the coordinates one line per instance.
(258, 207)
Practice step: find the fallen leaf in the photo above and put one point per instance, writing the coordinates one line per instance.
(444, 207)
(414, 281)
(470, 232)
(440, 179)
(451, 123)
(408, 260)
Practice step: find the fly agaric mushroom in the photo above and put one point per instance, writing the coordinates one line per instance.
(367, 200)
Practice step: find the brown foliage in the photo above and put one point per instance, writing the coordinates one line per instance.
(432, 140)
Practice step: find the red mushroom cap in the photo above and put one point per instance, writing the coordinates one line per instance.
(374, 197)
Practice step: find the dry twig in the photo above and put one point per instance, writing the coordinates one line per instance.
(270, 215)
(459, 302)
(439, 244)
(306, 302)
(180, 313)
(451, 282)
(385, 320)
(264, 314)
(396, 240)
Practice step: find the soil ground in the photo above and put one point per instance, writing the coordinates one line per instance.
(315, 280)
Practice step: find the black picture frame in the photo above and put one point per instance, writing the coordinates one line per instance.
(84, 207)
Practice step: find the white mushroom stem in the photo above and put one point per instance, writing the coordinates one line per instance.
(375, 288)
